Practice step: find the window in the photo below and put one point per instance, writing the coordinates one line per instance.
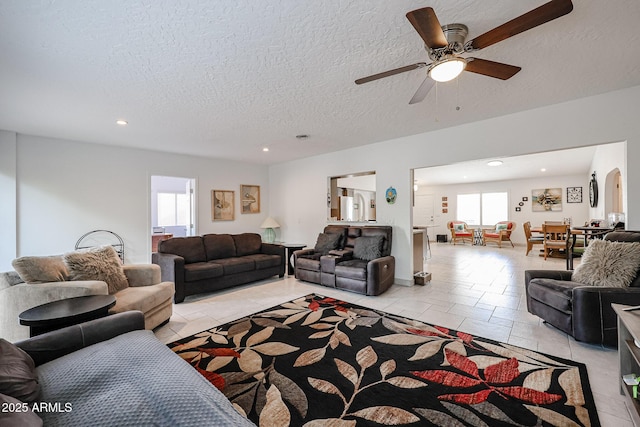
(483, 208)
(173, 209)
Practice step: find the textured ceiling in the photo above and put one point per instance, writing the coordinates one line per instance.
(226, 78)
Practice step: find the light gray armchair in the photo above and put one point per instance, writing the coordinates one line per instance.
(146, 292)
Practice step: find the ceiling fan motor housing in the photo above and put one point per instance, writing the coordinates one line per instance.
(456, 35)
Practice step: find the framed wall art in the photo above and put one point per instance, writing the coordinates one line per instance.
(574, 194)
(250, 199)
(546, 200)
(222, 205)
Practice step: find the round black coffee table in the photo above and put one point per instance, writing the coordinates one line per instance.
(66, 312)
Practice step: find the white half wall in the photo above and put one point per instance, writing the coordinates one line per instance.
(299, 188)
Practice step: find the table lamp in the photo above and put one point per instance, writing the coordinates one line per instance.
(269, 235)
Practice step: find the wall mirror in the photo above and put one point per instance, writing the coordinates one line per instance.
(352, 197)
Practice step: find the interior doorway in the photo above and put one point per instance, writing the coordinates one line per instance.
(173, 207)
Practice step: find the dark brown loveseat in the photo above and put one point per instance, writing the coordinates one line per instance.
(338, 262)
(582, 311)
(216, 261)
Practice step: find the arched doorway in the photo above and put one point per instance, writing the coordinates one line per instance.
(613, 200)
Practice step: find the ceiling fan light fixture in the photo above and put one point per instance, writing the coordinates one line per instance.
(447, 69)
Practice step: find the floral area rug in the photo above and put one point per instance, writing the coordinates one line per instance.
(318, 361)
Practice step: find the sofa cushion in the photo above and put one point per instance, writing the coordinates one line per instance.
(368, 248)
(352, 234)
(99, 263)
(353, 269)
(189, 248)
(327, 242)
(247, 243)
(219, 246)
(18, 378)
(265, 261)
(202, 270)
(606, 263)
(41, 269)
(143, 298)
(552, 292)
(236, 265)
(21, 418)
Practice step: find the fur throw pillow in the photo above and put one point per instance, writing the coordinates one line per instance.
(99, 263)
(605, 263)
(41, 269)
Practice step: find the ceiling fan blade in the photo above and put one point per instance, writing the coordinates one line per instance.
(491, 68)
(427, 25)
(423, 90)
(390, 73)
(545, 13)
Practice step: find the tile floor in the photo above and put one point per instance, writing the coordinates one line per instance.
(475, 289)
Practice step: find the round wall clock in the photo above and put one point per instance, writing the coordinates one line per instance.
(593, 191)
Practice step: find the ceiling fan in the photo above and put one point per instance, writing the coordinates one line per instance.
(445, 44)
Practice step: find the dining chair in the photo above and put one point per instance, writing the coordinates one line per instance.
(558, 237)
(531, 240)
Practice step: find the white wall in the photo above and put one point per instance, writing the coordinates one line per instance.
(8, 192)
(66, 189)
(299, 189)
(516, 189)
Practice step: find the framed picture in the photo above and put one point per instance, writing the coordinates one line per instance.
(445, 210)
(518, 208)
(445, 204)
(525, 199)
(574, 194)
(250, 199)
(222, 205)
(546, 200)
(444, 199)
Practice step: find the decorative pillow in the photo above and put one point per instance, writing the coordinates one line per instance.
(327, 242)
(501, 227)
(99, 263)
(368, 247)
(21, 415)
(41, 269)
(458, 227)
(605, 263)
(18, 377)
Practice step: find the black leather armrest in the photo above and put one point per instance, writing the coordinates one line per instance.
(593, 317)
(46, 347)
(529, 275)
(171, 270)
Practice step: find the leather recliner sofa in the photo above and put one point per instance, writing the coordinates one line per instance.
(341, 268)
(581, 311)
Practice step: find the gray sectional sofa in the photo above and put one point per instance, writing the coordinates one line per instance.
(111, 372)
(216, 261)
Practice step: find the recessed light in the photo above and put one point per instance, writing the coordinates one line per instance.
(122, 122)
(265, 149)
(543, 170)
(302, 136)
(494, 163)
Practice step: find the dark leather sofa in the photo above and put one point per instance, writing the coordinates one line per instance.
(340, 269)
(582, 311)
(216, 261)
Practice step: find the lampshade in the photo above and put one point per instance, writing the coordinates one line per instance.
(270, 223)
(447, 69)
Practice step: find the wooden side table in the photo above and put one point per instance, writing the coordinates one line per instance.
(66, 312)
(628, 354)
